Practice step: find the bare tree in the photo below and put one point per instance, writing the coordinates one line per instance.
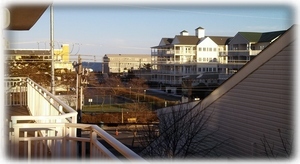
(271, 150)
(183, 132)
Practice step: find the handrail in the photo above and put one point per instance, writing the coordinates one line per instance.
(68, 108)
(121, 148)
(62, 140)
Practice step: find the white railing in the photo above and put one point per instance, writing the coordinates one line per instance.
(42, 103)
(64, 144)
(15, 91)
(50, 130)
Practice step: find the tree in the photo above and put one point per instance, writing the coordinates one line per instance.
(272, 150)
(183, 132)
(147, 66)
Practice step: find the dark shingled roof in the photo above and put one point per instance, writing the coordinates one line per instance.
(167, 40)
(199, 28)
(269, 36)
(261, 37)
(188, 40)
(220, 40)
(251, 36)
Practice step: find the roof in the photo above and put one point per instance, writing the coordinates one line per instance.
(261, 37)
(187, 40)
(199, 28)
(23, 17)
(220, 40)
(251, 36)
(128, 55)
(269, 36)
(27, 52)
(167, 40)
(208, 75)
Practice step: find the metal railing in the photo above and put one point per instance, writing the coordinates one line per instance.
(50, 129)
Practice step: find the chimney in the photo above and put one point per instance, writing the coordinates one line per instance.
(200, 32)
(184, 33)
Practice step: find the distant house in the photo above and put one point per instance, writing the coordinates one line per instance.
(121, 63)
(244, 46)
(186, 56)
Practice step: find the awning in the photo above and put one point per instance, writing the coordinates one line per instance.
(23, 17)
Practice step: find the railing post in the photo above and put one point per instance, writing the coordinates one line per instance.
(93, 139)
(15, 141)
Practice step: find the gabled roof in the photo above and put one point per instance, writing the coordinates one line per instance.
(167, 40)
(220, 40)
(258, 37)
(269, 36)
(251, 36)
(186, 40)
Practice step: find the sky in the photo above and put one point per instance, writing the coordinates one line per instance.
(95, 29)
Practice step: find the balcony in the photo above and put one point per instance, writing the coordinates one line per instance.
(242, 52)
(40, 126)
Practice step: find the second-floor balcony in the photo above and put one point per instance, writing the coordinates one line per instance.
(173, 52)
(239, 52)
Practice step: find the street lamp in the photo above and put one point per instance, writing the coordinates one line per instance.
(144, 94)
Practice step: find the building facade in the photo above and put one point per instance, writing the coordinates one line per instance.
(61, 56)
(188, 56)
(121, 63)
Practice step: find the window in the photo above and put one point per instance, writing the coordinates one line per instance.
(209, 49)
(200, 59)
(200, 49)
(209, 69)
(214, 69)
(199, 69)
(204, 59)
(204, 49)
(215, 49)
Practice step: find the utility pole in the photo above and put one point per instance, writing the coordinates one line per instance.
(78, 69)
(52, 49)
(79, 89)
(119, 65)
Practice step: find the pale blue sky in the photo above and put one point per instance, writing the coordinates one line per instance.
(97, 29)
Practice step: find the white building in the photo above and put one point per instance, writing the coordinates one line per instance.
(185, 56)
(188, 56)
(121, 63)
